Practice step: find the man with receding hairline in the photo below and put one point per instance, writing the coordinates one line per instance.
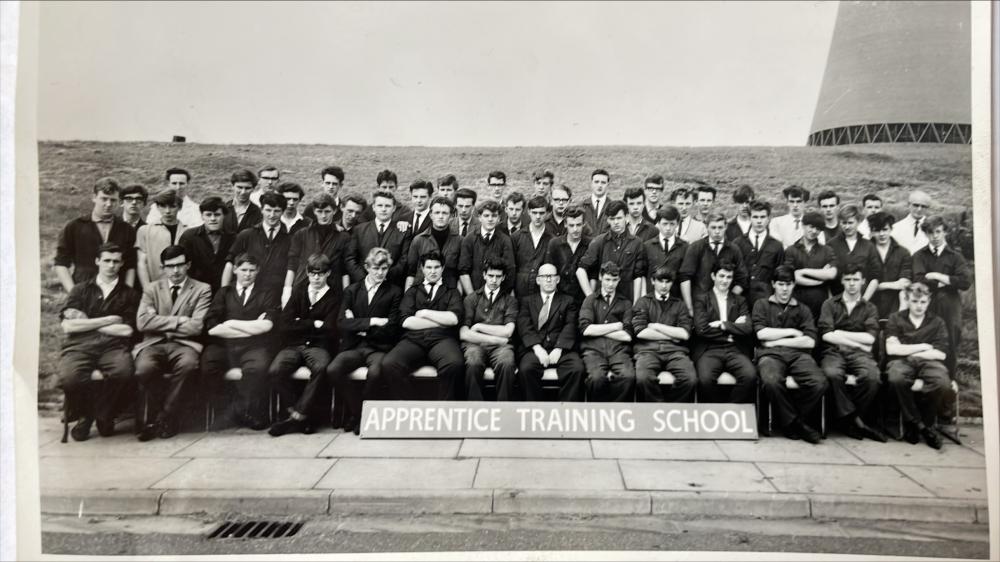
(907, 231)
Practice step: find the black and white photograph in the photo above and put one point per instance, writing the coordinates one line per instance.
(506, 280)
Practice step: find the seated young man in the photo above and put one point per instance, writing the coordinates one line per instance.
(431, 312)
(369, 327)
(787, 335)
(662, 325)
(606, 330)
(724, 340)
(98, 320)
(171, 317)
(240, 319)
(546, 324)
(490, 315)
(915, 343)
(307, 323)
(848, 325)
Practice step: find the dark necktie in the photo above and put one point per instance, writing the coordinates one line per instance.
(663, 298)
(486, 239)
(430, 290)
(174, 289)
(715, 248)
(242, 293)
(916, 227)
(465, 228)
(381, 230)
(756, 242)
(796, 224)
(490, 297)
(270, 235)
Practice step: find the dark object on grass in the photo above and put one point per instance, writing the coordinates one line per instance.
(179, 138)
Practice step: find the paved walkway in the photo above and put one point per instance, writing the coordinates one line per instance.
(333, 472)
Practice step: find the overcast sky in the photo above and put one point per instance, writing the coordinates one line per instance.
(442, 74)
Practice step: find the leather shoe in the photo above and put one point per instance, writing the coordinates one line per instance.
(286, 426)
(256, 424)
(106, 428)
(931, 437)
(149, 432)
(808, 434)
(351, 425)
(871, 433)
(167, 429)
(81, 431)
(911, 434)
(852, 431)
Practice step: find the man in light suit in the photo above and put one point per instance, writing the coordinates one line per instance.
(171, 317)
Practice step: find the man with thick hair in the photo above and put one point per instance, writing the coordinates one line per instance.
(447, 186)
(595, 208)
(560, 198)
(696, 270)
(618, 246)
(240, 321)
(512, 214)
(915, 343)
(322, 237)
(566, 251)
(177, 180)
(897, 266)
(724, 340)
(850, 248)
(546, 324)
(134, 198)
(829, 206)
(421, 194)
(815, 265)
(369, 324)
(436, 238)
(543, 181)
(787, 335)
(691, 229)
(870, 204)
(662, 326)
(431, 312)
(332, 181)
(267, 242)
(351, 208)
(380, 232)
(653, 190)
(788, 229)
(486, 331)
(171, 317)
(241, 212)
(763, 253)
(267, 180)
(307, 322)
(704, 202)
(153, 238)
(466, 221)
(386, 180)
(490, 244)
(741, 224)
(293, 220)
(908, 231)
(665, 249)
(81, 237)
(606, 329)
(207, 246)
(530, 246)
(99, 321)
(496, 183)
(944, 271)
(635, 200)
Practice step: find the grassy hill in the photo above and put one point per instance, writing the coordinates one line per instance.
(68, 170)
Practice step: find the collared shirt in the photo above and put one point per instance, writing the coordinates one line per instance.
(834, 316)
(89, 298)
(189, 214)
(738, 227)
(431, 288)
(479, 310)
(864, 230)
(103, 226)
(596, 310)
(897, 264)
(786, 229)
(78, 243)
(903, 232)
(600, 203)
(692, 229)
(315, 295)
(761, 262)
(445, 299)
(371, 289)
(475, 252)
(623, 249)
(700, 259)
(770, 313)
(650, 310)
(106, 288)
(153, 238)
(291, 222)
(723, 300)
(420, 219)
(244, 291)
(932, 330)
(950, 263)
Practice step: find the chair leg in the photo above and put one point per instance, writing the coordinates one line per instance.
(65, 420)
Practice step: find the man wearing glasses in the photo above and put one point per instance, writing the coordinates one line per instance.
(653, 189)
(267, 180)
(556, 223)
(134, 199)
(907, 231)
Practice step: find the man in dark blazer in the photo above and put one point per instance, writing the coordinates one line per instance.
(665, 249)
(241, 213)
(208, 245)
(596, 206)
(380, 232)
(419, 218)
(547, 326)
(321, 237)
(701, 257)
(566, 251)
(762, 253)
(466, 220)
(171, 317)
(267, 242)
(479, 248)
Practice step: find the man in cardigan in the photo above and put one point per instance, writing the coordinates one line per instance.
(307, 322)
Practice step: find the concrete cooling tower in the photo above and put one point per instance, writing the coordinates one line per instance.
(896, 72)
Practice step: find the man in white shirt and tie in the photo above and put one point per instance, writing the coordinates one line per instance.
(595, 207)
(420, 196)
(788, 229)
(907, 231)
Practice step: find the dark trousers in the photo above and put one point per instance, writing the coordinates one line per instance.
(800, 366)
(285, 363)
(949, 307)
(93, 399)
(937, 387)
(726, 358)
(252, 390)
(444, 354)
(850, 400)
(610, 377)
(649, 364)
(569, 369)
(165, 370)
(500, 358)
(338, 377)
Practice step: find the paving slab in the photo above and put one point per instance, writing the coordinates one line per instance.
(100, 502)
(400, 474)
(731, 504)
(886, 508)
(780, 449)
(257, 502)
(247, 474)
(973, 437)
(104, 473)
(548, 474)
(411, 502)
(822, 479)
(258, 445)
(693, 475)
(527, 448)
(573, 502)
(904, 453)
(658, 450)
(945, 482)
(350, 445)
(121, 445)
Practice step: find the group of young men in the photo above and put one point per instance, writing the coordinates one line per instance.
(632, 299)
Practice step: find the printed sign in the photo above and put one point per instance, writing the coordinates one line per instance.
(561, 420)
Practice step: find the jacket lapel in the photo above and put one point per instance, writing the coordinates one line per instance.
(181, 296)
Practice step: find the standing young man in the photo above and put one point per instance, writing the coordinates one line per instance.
(267, 242)
(595, 208)
(331, 182)
(420, 195)
(653, 190)
(566, 251)
(704, 202)
(851, 248)
(437, 238)
(530, 247)
(666, 249)
(702, 255)
(606, 334)
(496, 183)
(763, 253)
(431, 312)
(171, 317)
(490, 244)
(465, 220)
(267, 180)
(512, 214)
(907, 231)
(662, 326)
(618, 246)
(560, 198)
(380, 232)
(691, 229)
(829, 206)
(351, 208)
(99, 321)
(741, 224)
(386, 180)
(293, 220)
(486, 332)
(207, 246)
(81, 237)
(787, 335)
(241, 212)
(635, 200)
(134, 199)
(546, 325)
(815, 265)
(543, 181)
(870, 204)
(788, 229)
(177, 180)
(322, 237)
(897, 266)
(153, 238)
(447, 186)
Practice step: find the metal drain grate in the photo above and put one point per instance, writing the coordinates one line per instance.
(256, 530)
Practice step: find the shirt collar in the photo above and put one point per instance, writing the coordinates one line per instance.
(720, 295)
(430, 286)
(939, 249)
(791, 301)
(106, 288)
(247, 290)
(369, 286)
(95, 219)
(319, 294)
(484, 234)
